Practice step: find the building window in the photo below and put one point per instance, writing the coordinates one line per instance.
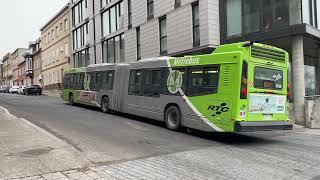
(105, 2)
(313, 13)
(112, 19)
(246, 16)
(251, 16)
(138, 43)
(129, 14)
(177, 3)
(195, 24)
(163, 35)
(281, 13)
(82, 58)
(79, 12)
(150, 9)
(80, 36)
(57, 31)
(113, 50)
(66, 24)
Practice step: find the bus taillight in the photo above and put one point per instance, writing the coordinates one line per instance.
(244, 81)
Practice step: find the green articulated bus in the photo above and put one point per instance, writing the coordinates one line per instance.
(239, 87)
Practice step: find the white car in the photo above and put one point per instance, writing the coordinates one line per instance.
(14, 89)
(21, 88)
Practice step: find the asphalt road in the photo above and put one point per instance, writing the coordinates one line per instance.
(102, 138)
(105, 139)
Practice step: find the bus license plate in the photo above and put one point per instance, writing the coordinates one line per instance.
(267, 116)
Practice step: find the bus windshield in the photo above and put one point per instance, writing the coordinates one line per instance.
(266, 78)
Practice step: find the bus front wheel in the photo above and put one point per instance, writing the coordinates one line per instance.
(105, 105)
(173, 118)
(71, 99)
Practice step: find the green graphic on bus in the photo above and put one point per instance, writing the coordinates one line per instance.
(174, 82)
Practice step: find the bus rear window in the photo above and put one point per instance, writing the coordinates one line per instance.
(265, 78)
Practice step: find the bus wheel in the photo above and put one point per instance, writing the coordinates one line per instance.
(105, 105)
(71, 99)
(173, 118)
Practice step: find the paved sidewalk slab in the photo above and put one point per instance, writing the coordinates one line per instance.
(26, 150)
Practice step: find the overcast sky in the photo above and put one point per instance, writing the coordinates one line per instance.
(21, 21)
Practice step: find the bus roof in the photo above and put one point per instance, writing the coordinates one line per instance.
(262, 51)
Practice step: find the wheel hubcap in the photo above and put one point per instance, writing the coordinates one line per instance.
(172, 118)
(105, 105)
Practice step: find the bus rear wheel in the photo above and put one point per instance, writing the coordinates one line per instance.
(173, 118)
(105, 105)
(71, 100)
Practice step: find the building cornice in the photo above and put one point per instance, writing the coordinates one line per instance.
(56, 16)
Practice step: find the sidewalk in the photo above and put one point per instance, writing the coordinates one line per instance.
(26, 150)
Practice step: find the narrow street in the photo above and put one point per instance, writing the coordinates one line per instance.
(131, 145)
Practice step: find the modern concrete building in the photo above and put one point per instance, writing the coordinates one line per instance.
(33, 63)
(55, 49)
(126, 31)
(289, 24)
(7, 71)
(17, 58)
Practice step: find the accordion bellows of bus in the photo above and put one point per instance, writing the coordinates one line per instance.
(239, 87)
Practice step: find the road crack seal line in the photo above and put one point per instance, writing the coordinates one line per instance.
(32, 152)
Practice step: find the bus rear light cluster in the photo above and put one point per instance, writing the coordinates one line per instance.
(244, 90)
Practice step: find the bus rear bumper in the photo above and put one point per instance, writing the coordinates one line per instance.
(262, 126)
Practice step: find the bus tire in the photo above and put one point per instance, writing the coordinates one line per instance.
(71, 99)
(172, 118)
(105, 108)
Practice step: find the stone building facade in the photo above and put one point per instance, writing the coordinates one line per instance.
(17, 58)
(7, 71)
(55, 49)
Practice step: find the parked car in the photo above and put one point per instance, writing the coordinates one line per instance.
(21, 88)
(32, 89)
(14, 89)
(5, 89)
(2, 88)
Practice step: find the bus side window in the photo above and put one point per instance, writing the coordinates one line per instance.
(131, 82)
(71, 81)
(81, 80)
(66, 81)
(152, 82)
(110, 80)
(204, 80)
(104, 78)
(93, 81)
(77, 82)
(135, 85)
